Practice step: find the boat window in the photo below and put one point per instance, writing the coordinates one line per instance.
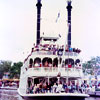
(47, 39)
(55, 62)
(30, 62)
(37, 62)
(47, 62)
(50, 62)
(69, 62)
(77, 61)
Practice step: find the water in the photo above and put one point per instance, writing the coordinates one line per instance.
(13, 95)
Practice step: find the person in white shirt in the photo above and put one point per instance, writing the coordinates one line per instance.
(59, 88)
(54, 88)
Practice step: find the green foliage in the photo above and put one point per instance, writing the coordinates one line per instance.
(92, 66)
(14, 70)
(4, 67)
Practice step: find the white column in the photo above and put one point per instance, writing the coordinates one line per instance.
(33, 81)
(48, 79)
(58, 79)
(67, 80)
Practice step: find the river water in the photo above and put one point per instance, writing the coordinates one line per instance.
(13, 95)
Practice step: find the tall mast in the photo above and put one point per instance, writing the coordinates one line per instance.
(69, 7)
(38, 20)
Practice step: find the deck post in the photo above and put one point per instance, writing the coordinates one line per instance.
(48, 79)
(67, 80)
(33, 81)
(58, 79)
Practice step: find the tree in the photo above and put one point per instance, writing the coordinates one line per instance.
(4, 67)
(92, 66)
(15, 70)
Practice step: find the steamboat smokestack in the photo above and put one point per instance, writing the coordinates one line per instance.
(69, 7)
(38, 20)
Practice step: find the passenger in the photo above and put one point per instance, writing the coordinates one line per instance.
(63, 64)
(55, 65)
(49, 48)
(93, 88)
(59, 88)
(74, 50)
(53, 49)
(44, 88)
(70, 49)
(54, 88)
(40, 88)
(77, 87)
(99, 86)
(65, 87)
(60, 51)
(50, 64)
(32, 50)
(69, 88)
(36, 89)
(83, 88)
(88, 88)
(0, 83)
(69, 65)
(66, 48)
(40, 65)
(46, 64)
(30, 65)
(49, 87)
(36, 64)
(30, 89)
(73, 88)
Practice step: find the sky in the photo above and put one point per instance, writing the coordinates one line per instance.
(18, 26)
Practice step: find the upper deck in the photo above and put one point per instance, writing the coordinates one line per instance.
(50, 59)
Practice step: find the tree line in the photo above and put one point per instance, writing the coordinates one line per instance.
(92, 66)
(12, 69)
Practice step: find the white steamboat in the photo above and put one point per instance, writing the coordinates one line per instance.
(51, 70)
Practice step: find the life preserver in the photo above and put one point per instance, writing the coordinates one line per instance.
(60, 52)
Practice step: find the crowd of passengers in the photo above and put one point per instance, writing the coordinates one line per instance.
(54, 48)
(48, 63)
(57, 88)
(9, 83)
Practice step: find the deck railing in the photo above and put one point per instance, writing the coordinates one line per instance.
(54, 69)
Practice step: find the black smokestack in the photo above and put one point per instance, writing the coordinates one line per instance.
(38, 20)
(69, 7)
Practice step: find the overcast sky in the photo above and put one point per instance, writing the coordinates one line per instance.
(18, 26)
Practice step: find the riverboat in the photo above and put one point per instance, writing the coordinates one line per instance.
(52, 70)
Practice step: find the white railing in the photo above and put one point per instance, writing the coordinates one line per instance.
(54, 69)
(46, 52)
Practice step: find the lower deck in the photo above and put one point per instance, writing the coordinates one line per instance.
(56, 94)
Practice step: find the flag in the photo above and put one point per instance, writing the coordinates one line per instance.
(58, 17)
(59, 35)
